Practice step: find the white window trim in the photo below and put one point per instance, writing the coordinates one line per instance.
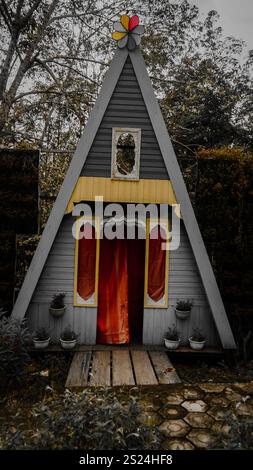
(136, 133)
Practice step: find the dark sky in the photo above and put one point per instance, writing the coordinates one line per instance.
(236, 17)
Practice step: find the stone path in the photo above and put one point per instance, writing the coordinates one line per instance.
(193, 417)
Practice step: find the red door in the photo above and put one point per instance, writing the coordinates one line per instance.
(120, 291)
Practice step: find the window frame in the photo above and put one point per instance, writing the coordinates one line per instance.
(95, 221)
(150, 224)
(116, 132)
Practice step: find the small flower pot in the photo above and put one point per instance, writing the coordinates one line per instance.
(57, 312)
(68, 344)
(171, 344)
(182, 314)
(41, 344)
(197, 345)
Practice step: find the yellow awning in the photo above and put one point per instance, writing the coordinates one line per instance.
(145, 191)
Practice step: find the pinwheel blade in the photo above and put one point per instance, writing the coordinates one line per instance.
(123, 42)
(124, 19)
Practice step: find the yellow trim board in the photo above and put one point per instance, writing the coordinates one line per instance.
(166, 292)
(143, 191)
(96, 223)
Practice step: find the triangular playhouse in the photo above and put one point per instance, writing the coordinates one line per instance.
(126, 101)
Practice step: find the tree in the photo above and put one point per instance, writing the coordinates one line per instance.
(205, 86)
(46, 44)
(51, 75)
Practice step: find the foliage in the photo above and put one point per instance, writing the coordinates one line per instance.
(172, 334)
(184, 305)
(41, 334)
(48, 61)
(25, 248)
(14, 343)
(90, 420)
(203, 81)
(240, 436)
(68, 334)
(224, 212)
(54, 57)
(58, 301)
(197, 335)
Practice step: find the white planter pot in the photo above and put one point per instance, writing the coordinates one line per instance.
(197, 345)
(41, 344)
(57, 312)
(170, 344)
(182, 314)
(68, 344)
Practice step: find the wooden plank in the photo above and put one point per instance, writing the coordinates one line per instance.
(164, 369)
(79, 369)
(122, 371)
(144, 372)
(101, 369)
(152, 347)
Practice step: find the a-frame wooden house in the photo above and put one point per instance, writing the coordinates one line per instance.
(108, 283)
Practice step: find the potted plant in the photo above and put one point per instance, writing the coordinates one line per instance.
(68, 338)
(183, 309)
(41, 338)
(172, 338)
(197, 339)
(57, 306)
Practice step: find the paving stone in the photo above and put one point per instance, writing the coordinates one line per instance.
(177, 444)
(175, 398)
(246, 388)
(219, 401)
(195, 406)
(244, 409)
(199, 420)
(173, 412)
(217, 413)
(192, 393)
(174, 428)
(221, 428)
(151, 419)
(201, 439)
(212, 388)
(231, 395)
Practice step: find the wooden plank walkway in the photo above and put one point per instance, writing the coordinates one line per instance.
(99, 347)
(105, 368)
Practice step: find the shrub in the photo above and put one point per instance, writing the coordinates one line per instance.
(41, 334)
(14, 342)
(184, 305)
(172, 334)
(68, 334)
(93, 420)
(58, 301)
(197, 335)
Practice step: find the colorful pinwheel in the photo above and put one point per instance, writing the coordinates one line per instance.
(128, 32)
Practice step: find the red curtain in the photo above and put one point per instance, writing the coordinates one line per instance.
(156, 266)
(86, 262)
(112, 322)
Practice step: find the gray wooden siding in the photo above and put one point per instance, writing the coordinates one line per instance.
(58, 276)
(126, 109)
(184, 283)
